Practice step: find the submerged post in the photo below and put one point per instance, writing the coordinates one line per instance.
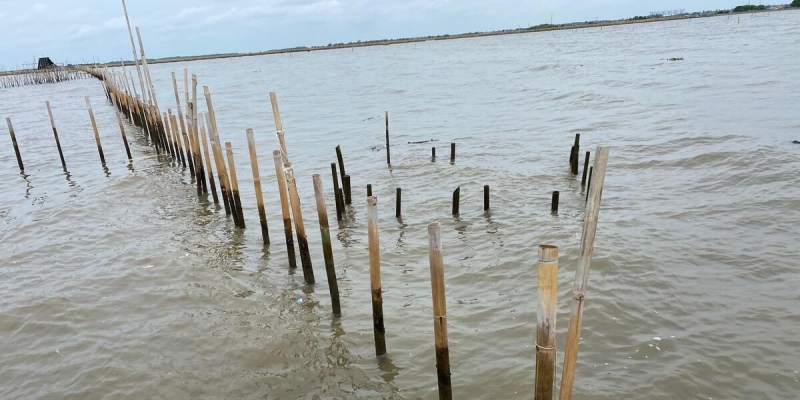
(336, 192)
(55, 134)
(582, 274)
(456, 200)
(485, 197)
(287, 219)
(14, 142)
(327, 251)
(210, 171)
(452, 152)
(398, 203)
(302, 240)
(124, 138)
(554, 203)
(439, 311)
(375, 276)
(96, 133)
(589, 183)
(238, 217)
(388, 152)
(585, 168)
(433, 154)
(546, 323)
(348, 196)
(369, 190)
(339, 158)
(262, 214)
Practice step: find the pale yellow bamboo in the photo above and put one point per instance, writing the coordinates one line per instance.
(546, 323)
(375, 276)
(302, 239)
(439, 311)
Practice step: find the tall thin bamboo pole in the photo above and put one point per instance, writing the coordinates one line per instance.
(153, 98)
(176, 137)
(201, 170)
(276, 114)
(237, 201)
(222, 175)
(338, 204)
(324, 229)
(546, 323)
(124, 138)
(96, 133)
(287, 219)
(582, 273)
(178, 103)
(55, 134)
(375, 276)
(340, 158)
(14, 143)
(262, 214)
(204, 139)
(302, 239)
(388, 149)
(439, 311)
(133, 48)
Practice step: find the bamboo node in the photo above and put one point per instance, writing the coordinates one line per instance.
(578, 295)
(540, 347)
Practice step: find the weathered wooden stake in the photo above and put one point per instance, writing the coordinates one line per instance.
(14, 142)
(339, 158)
(546, 323)
(327, 251)
(582, 274)
(124, 138)
(176, 137)
(375, 276)
(554, 203)
(433, 154)
(585, 168)
(55, 133)
(262, 214)
(302, 240)
(589, 182)
(276, 114)
(340, 198)
(96, 133)
(388, 151)
(452, 152)
(369, 190)
(287, 219)
(338, 204)
(204, 139)
(348, 196)
(485, 197)
(398, 203)
(439, 311)
(456, 200)
(238, 217)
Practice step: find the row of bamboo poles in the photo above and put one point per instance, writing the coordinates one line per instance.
(9, 79)
(191, 139)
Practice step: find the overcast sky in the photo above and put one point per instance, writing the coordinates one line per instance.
(84, 30)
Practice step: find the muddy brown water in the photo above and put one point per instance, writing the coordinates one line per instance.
(122, 284)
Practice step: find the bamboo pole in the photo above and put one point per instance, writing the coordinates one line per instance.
(456, 200)
(546, 323)
(348, 197)
(287, 221)
(153, 98)
(485, 197)
(375, 276)
(582, 274)
(188, 148)
(237, 201)
(262, 215)
(340, 158)
(55, 134)
(589, 182)
(176, 137)
(433, 154)
(186, 87)
(124, 139)
(276, 115)
(388, 152)
(554, 203)
(452, 153)
(217, 151)
(178, 104)
(576, 149)
(302, 240)
(96, 133)
(398, 205)
(439, 311)
(339, 210)
(133, 48)
(327, 251)
(168, 137)
(210, 170)
(14, 143)
(198, 163)
(369, 190)
(585, 168)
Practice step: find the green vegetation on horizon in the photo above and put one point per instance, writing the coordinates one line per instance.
(795, 3)
(749, 7)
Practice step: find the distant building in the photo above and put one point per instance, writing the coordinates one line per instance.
(46, 62)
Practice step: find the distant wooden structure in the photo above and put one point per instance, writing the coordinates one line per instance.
(46, 62)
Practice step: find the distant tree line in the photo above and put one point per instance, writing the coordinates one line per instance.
(795, 3)
(750, 7)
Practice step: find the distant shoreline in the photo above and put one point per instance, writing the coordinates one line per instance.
(386, 42)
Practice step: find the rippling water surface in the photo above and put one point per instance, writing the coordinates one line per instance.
(123, 284)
